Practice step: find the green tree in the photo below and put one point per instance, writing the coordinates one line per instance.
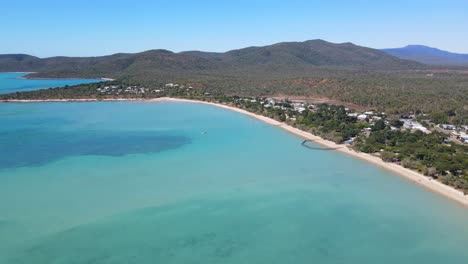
(379, 125)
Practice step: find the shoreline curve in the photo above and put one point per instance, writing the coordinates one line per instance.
(410, 175)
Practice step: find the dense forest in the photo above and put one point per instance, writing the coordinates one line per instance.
(442, 96)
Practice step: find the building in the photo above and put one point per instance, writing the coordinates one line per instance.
(447, 126)
(362, 117)
(271, 101)
(464, 138)
(413, 125)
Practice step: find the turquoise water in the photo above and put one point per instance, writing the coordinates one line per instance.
(129, 182)
(11, 82)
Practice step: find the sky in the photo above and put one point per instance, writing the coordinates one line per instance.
(99, 27)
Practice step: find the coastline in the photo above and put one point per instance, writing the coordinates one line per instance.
(17, 72)
(25, 78)
(405, 173)
(37, 78)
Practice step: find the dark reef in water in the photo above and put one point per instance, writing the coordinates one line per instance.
(102, 143)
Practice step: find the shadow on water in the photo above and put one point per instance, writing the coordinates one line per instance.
(33, 147)
(304, 144)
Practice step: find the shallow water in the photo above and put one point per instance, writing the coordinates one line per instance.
(126, 182)
(11, 82)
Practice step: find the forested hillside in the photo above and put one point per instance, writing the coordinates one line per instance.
(298, 57)
(346, 72)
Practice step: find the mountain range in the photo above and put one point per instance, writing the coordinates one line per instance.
(428, 55)
(345, 72)
(286, 57)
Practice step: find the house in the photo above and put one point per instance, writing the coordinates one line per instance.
(407, 124)
(413, 125)
(463, 137)
(447, 126)
(421, 128)
(362, 117)
(300, 109)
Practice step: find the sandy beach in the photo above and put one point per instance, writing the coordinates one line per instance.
(408, 174)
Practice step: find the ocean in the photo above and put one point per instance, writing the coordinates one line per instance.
(11, 82)
(169, 182)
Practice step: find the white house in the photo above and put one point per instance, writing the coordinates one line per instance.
(361, 117)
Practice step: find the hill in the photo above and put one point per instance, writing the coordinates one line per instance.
(346, 72)
(282, 57)
(428, 55)
(318, 53)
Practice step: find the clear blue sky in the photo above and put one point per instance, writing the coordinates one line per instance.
(97, 27)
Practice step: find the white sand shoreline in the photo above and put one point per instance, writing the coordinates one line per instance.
(408, 174)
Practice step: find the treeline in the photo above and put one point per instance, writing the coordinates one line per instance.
(429, 154)
(442, 96)
(330, 122)
(409, 92)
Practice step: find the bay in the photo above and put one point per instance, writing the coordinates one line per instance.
(11, 82)
(134, 182)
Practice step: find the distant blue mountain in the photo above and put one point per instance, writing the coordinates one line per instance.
(429, 55)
